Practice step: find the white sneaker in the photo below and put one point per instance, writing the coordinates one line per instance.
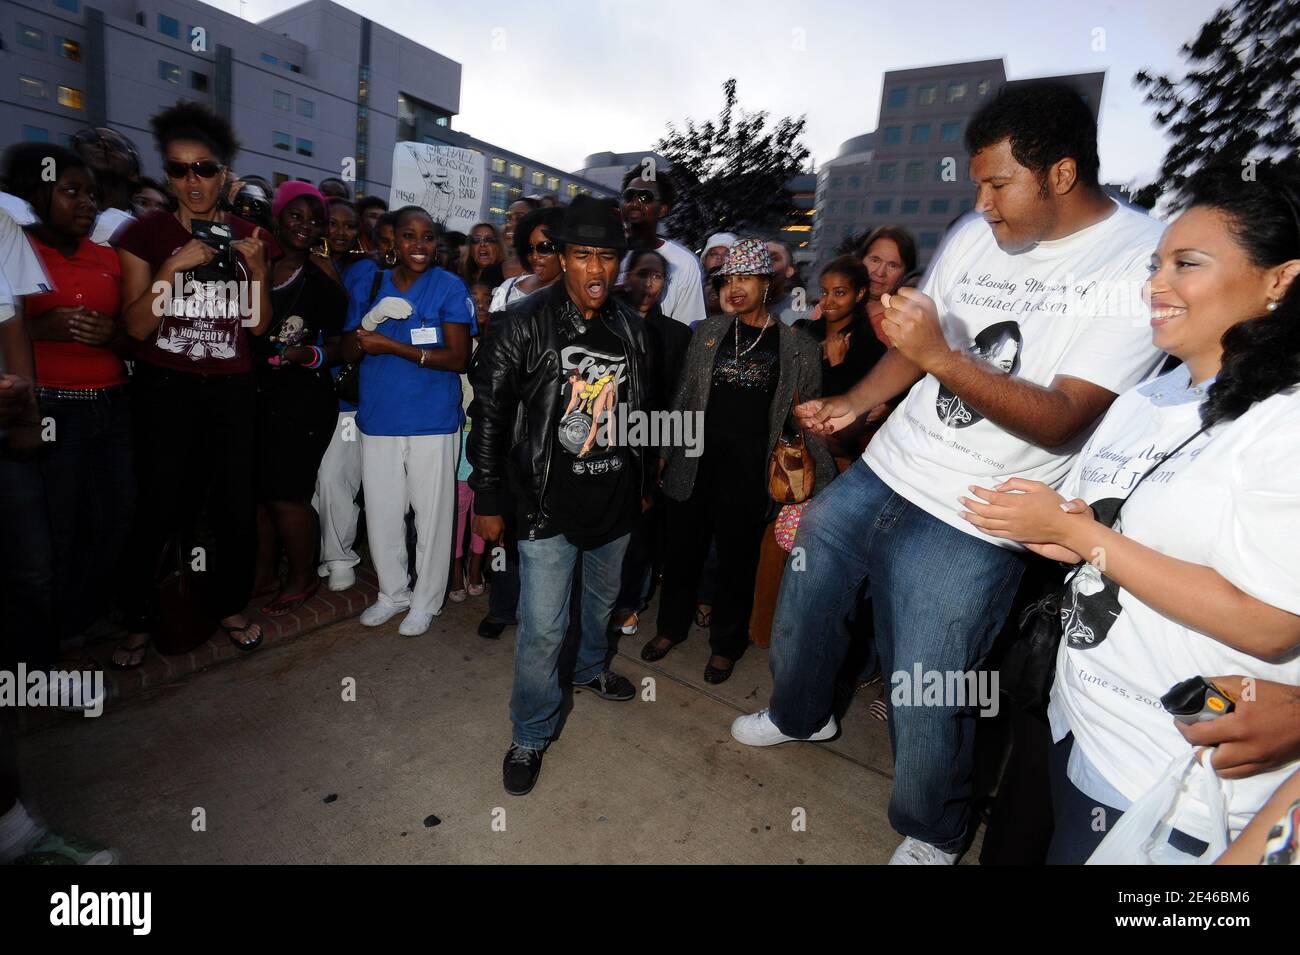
(341, 578)
(380, 612)
(915, 852)
(759, 730)
(415, 624)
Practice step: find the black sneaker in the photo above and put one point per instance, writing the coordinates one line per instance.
(492, 629)
(610, 686)
(520, 770)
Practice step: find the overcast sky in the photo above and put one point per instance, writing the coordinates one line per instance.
(581, 76)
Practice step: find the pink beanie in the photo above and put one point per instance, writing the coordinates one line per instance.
(286, 192)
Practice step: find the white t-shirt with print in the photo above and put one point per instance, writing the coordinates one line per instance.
(21, 272)
(1070, 306)
(1230, 501)
(683, 298)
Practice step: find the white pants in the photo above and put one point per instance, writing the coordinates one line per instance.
(337, 484)
(420, 473)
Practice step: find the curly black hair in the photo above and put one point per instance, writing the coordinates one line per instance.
(1046, 121)
(1261, 355)
(550, 218)
(667, 188)
(190, 120)
(23, 172)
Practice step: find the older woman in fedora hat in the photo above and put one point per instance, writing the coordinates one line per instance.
(742, 373)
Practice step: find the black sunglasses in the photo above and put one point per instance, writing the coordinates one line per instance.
(542, 248)
(639, 195)
(204, 168)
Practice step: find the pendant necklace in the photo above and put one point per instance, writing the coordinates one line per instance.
(767, 320)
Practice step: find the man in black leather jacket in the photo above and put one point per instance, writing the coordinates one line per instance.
(557, 370)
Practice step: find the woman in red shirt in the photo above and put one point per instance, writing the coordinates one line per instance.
(80, 383)
(194, 291)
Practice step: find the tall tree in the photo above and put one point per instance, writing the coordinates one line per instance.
(1239, 99)
(731, 171)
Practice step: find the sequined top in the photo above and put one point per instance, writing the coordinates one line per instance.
(736, 419)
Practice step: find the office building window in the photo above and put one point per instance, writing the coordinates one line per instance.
(515, 193)
(198, 81)
(32, 87)
(305, 147)
(68, 49)
(552, 183)
(925, 95)
(964, 206)
(956, 92)
(833, 208)
(938, 206)
(881, 207)
(72, 6)
(279, 178)
(70, 97)
(306, 108)
(835, 182)
(950, 132)
(279, 140)
(30, 36)
(982, 88)
(888, 172)
(169, 72)
(921, 133)
(855, 182)
(538, 178)
(897, 97)
(498, 165)
(572, 190)
(911, 207)
(169, 26)
(282, 100)
(929, 240)
(35, 134)
(516, 171)
(292, 67)
(915, 171)
(893, 135)
(270, 60)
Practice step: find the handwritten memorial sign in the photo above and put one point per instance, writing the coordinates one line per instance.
(446, 181)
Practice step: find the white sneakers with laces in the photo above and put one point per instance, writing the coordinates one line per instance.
(915, 852)
(758, 729)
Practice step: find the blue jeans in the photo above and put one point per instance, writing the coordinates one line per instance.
(546, 570)
(938, 596)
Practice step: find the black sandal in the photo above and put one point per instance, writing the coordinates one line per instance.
(251, 645)
(142, 649)
(650, 653)
(703, 616)
(714, 674)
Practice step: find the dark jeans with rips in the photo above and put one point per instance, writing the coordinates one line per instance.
(195, 451)
(938, 595)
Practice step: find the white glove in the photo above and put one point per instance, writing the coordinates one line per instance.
(389, 307)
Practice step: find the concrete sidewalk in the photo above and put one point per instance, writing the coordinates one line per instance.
(285, 770)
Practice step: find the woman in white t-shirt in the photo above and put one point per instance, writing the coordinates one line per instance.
(1200, 576)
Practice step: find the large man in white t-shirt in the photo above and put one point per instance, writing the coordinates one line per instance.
(1029, 324)
(648, 194)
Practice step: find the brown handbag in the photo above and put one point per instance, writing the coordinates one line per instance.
(790, 471)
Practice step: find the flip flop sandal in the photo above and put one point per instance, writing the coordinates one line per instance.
(703, 616)
(251, 645)
(283, 605)
(457, 596)
(142, 649)
(878, 710)
(476, 590)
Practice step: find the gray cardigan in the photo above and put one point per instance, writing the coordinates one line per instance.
(801, 364)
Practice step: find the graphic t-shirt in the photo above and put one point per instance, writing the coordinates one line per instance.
(21, 272)
(307, 309)
(90, 278)
(1068, 307)
(591, 494)
(398, 397)
(1229, 501)
(683, 297)
(202, 331)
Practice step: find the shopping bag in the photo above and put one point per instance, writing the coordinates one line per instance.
(1141, 837)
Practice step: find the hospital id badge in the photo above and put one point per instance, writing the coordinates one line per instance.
(426, 336)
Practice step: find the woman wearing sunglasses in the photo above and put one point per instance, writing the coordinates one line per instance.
(537, 251)
(485, 254)
(194, 288)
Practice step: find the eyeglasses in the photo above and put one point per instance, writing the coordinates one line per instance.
(639, 195)
(204, 168)
(542, 248)
(482, 240)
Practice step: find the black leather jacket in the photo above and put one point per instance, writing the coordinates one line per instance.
(516, 377)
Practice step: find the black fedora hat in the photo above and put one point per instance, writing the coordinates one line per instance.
(591, 221)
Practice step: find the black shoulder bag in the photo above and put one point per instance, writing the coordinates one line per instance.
(347, 383)
(1029, 665)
